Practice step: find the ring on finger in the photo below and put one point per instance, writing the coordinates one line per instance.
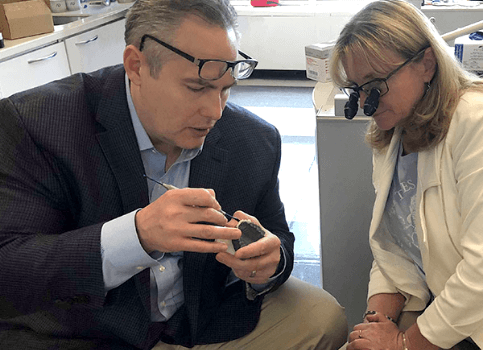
(360, 333)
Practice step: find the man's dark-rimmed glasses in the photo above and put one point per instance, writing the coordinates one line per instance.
(379, 83)
(212, 69)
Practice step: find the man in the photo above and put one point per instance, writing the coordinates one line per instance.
(96, 255)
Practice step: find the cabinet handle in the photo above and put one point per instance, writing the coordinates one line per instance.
(52, 55)
(88, 40)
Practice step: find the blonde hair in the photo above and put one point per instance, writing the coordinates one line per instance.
(399, 27)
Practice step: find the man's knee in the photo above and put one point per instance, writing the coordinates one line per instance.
(330, 317)
(319, 316)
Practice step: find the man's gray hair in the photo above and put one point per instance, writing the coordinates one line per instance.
(161, 19)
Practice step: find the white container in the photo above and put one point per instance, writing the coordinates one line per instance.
(317, 61)
(58, 6)
(72, 5)
(469, 53)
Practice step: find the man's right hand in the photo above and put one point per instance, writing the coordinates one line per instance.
(173, 223)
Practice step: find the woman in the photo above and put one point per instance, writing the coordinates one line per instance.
(427, 138)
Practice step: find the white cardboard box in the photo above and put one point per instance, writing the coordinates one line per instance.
(469, 53)
(317, 61)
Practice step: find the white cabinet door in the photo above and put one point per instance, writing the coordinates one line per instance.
(32, 69)
(96, 48)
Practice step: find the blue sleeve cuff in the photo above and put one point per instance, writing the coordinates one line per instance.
(122, 253)
(264, 288)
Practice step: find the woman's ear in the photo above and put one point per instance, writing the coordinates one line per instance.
(132, 59)
(428, 64)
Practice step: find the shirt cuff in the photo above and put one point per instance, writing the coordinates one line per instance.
(122, 253)
(254, 290)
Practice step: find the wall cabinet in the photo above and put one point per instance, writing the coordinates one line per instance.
(96, 48)
(32, 69)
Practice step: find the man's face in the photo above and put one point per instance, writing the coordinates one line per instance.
(178, 109)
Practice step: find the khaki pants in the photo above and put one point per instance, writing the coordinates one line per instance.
(297, 316)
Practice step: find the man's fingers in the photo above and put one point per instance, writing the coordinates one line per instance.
(265, 246)
(196, 197)
(211, 232)
(194, 215)
(202, 240)
(200, 246)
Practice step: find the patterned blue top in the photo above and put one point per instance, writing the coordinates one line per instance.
(400, 210)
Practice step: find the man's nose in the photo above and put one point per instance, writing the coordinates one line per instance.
(213, 105)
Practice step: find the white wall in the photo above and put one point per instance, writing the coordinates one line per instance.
(277, 36)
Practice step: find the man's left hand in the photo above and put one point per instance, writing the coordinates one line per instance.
(256, 262)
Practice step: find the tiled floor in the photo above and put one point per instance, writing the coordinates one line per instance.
(287, 104)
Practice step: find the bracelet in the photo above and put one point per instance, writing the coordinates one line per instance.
(392, 320)
(368, 312)
(371, 312)
(404, 343)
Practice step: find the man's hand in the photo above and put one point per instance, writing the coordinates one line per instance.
(256, 262)
(173, 223)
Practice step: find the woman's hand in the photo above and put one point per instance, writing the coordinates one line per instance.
(377, 333)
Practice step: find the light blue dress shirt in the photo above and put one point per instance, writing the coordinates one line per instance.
(122, 253)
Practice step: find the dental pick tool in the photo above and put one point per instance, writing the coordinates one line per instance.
(171, 187)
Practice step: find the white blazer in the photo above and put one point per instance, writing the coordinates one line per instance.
(449, 224)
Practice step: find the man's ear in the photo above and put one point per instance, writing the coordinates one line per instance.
(429, 64)
(133, 59)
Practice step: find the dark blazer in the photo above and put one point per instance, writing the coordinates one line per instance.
(69, 162)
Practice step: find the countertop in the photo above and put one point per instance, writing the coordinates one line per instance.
(96, 15)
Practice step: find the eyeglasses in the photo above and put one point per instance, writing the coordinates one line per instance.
(212, 69)
(379, 84)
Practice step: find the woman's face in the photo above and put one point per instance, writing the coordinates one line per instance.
(406, 86)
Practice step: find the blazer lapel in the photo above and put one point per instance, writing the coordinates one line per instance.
(429, 171)
(119, 144)
(210, 167)
(126, 164)
(208, 171)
